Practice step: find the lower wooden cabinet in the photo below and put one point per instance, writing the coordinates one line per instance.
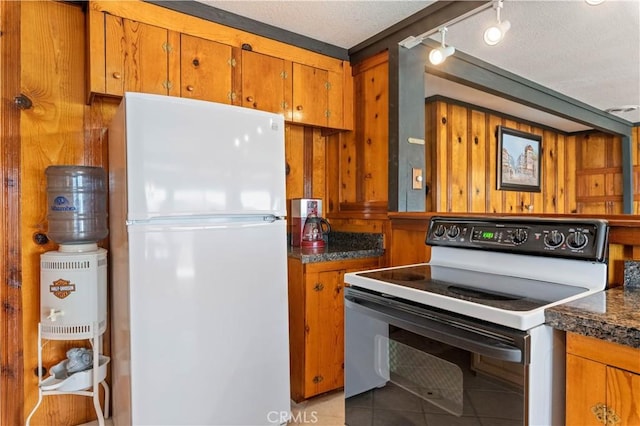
(603, 383)
(316, 324)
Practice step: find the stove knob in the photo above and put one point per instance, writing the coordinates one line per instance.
(453, 231)
(577, 240)
(439, 231)
(519, 236)
(554, 239)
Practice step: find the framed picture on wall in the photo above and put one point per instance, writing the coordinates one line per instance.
(519, 160)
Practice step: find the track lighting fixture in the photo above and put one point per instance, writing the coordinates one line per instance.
(495, 33)
(438, 56)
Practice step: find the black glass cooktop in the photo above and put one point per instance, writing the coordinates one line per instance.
(498, 291)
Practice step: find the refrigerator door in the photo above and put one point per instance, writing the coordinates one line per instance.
(185, 157)
(207, 325)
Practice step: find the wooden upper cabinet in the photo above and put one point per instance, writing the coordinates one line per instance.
(266, 83)
(206, 70)
(145, 49)
(139, 58)
(310, 95)
(318, 97)
(339, 115)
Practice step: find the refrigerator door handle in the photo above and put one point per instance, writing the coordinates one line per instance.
(271, 218)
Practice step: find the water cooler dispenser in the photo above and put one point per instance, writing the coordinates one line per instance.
(73, 283)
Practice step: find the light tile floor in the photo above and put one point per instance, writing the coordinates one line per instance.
(324, 410)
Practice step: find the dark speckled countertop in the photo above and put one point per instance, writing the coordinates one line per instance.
(342, 246)
(612, 315)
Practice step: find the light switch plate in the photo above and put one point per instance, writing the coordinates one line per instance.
(416, 178)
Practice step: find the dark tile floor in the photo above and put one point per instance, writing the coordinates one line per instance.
(393, 406)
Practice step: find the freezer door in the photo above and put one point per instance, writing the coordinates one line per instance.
(186, 157)
(208, 324)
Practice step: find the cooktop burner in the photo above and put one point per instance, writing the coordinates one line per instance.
(498, 291)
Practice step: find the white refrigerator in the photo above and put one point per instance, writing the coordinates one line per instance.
(198, 264)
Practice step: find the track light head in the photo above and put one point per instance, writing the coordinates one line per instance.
(495, 33)
(438, 56)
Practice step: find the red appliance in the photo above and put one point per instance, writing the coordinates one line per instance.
(301, 208)
(313, 232)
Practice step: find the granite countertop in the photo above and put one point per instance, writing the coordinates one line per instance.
(341, 246)
(612, 315)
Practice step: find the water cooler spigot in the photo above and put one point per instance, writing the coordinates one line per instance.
(54, 314)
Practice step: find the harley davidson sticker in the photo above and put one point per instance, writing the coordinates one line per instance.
(62, 288)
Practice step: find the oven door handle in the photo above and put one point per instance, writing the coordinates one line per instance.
(442, 331)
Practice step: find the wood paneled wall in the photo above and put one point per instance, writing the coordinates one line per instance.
(358, 173)
(599, 173)
(461, 149)
(58, 129)
(580, 173)
(306, 162)
(11, 378)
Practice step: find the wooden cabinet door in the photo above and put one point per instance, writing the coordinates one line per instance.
(206, 70)
(324, 332)
(336, 114)
(623, 397)
(310, 95)
(139, 57)
(264, 82)
(586, 391)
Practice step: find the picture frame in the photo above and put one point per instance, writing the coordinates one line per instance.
(518, 160)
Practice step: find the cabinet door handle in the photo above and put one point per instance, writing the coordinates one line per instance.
(299, 107)
(249, 98)
(318, 287)
(190, 88)
(116, 75)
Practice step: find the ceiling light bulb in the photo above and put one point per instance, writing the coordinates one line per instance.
(494, 34)
(438, 56)
(594, 2)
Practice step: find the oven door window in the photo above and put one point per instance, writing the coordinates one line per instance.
(432, 383)
(434, 379)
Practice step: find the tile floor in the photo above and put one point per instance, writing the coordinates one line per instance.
(324, 410)
(393, 406)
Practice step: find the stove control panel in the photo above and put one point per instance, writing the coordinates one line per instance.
(568, 238)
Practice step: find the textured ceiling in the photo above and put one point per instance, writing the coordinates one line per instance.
(340, 23)
(589, 53)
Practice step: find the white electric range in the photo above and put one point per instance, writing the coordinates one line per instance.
(483, 293)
